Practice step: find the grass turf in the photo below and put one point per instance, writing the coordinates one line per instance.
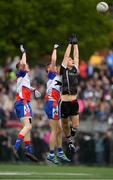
(21, 171)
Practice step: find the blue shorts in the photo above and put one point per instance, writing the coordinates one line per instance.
(23, 110)
(52, 110)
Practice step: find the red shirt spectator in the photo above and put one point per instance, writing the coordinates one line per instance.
(83, 70)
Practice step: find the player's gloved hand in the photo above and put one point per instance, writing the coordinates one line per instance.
(56, 46)
(22, 48)
(37, 93)
(74, 39)
(70, 39)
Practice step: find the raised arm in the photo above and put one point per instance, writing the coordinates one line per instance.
(54, 57)
(23, 59)
(76, 55)
(67, 55)
(75, 50)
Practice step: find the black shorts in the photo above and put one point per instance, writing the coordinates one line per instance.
(69, 108)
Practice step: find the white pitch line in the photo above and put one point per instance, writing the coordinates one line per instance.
(65, 174)
(14, 173)
(42, 174)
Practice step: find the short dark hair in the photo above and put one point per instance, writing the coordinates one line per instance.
(18, 65)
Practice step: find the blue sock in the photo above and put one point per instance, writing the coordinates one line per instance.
(51, 153)
(60, 151)
(28, 149)
(18, 143)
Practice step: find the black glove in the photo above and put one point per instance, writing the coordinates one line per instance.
(70, 39)
(74, 39)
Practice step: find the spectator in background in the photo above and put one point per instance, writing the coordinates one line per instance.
(95, 60)
(87, 148)
(40, 147)
(5, 146)
(99, 148)
(83, 69)
(107, 147)
(90, 70)
(109, 62)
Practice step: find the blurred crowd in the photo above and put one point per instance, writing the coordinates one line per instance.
(94, 148)
(95, 96)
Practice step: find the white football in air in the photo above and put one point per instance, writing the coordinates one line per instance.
(102, 7)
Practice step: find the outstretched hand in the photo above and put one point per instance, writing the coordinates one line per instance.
(56, 46)
(22, 48)
(73, 39)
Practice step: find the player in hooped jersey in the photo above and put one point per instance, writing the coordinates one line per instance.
(52, 109)
(22, 106)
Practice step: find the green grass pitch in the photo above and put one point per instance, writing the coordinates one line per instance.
(31, 171)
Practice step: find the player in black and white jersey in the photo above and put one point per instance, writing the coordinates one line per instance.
(69, 103)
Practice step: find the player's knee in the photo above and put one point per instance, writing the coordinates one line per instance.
(53, 131)
(75, 126)
(59, 130)
(28, 127)
(65, 124)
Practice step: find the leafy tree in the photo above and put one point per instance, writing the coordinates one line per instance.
(39, 24)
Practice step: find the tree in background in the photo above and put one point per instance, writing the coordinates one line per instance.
(39, 24)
